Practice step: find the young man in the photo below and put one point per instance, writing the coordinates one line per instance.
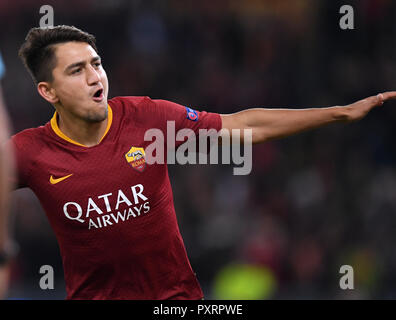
(112, 213)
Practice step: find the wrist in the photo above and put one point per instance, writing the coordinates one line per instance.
(341, 113)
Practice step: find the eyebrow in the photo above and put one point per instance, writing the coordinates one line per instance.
(81, 63)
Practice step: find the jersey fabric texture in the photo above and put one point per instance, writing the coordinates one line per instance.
(112, 213)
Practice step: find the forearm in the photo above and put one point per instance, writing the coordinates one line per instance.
(270, 124)
(267, 124)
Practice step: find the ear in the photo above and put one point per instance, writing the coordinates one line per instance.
(47, 92)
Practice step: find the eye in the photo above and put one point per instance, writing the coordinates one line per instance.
(75, 71)
(97, 64)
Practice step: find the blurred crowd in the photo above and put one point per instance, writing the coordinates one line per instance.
(312, 203)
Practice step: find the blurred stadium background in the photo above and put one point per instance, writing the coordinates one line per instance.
(312, 202)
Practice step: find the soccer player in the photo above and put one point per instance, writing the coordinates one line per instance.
(112, 213)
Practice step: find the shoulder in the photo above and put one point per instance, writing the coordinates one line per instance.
(141, 103)
(131, 102)
(29, 139)
(139, 110)
(27, 146)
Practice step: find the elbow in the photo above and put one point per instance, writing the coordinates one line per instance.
(259, 136)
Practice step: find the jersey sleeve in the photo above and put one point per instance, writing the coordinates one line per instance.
(180, 117)
(22, 166)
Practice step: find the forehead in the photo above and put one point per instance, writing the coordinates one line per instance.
(72, 52)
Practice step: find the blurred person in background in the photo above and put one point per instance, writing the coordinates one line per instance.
(65, 65)
(5, 187)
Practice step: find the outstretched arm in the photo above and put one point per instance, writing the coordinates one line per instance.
(267, 124)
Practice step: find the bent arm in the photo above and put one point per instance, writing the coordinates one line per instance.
(5, 170)
(267, 124)
(6, 176)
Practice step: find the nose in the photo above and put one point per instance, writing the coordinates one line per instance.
(93, 76)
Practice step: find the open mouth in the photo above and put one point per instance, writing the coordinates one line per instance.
(98, 95)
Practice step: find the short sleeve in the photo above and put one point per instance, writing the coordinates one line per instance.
(184, 117)
(21, 167)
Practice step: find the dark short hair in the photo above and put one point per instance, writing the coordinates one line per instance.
(38, 54)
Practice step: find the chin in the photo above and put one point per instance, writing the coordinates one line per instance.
(103, 104)
(97, 116)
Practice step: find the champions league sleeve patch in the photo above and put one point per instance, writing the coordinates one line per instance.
(192, 114)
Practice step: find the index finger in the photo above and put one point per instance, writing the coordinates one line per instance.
(387, 95)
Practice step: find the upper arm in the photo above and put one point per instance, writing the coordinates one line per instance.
(184, 117)
(242, 124)
(19, 162)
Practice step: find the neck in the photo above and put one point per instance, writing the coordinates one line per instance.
(84, 133)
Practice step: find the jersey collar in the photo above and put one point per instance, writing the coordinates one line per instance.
(59, 133)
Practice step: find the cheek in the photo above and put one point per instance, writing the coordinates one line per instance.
(106, 88)
(104, 79)
(71, 90)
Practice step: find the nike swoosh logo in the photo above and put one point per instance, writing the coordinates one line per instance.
(55, 181)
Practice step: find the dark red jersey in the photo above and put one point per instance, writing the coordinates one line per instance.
(112, 212)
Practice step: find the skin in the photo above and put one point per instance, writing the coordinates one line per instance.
(84, 120)
(77, 76)
(269, 124)
(5, 187)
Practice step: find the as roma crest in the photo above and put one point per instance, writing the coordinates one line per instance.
(135, 157)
